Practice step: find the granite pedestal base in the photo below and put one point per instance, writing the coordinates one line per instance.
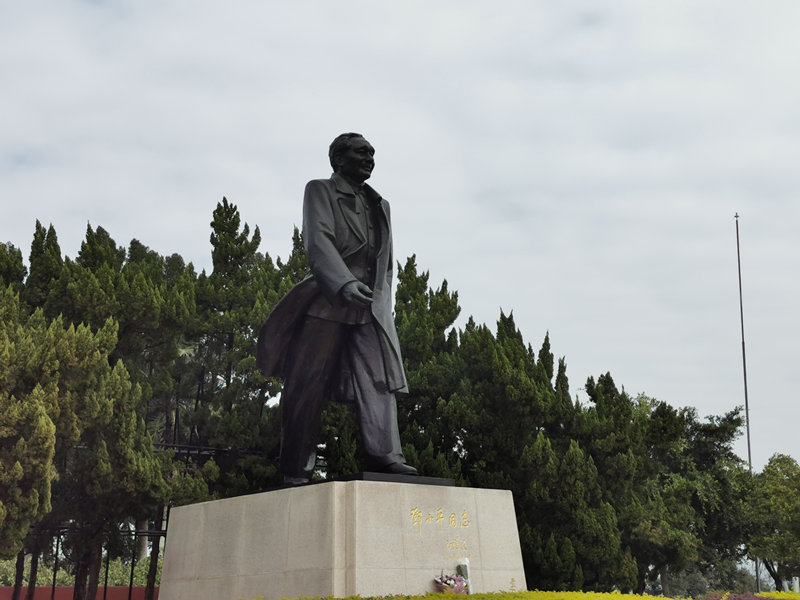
(341, 538)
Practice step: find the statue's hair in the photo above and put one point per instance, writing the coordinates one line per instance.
(341, 144)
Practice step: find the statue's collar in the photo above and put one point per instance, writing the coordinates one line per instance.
(344, 186)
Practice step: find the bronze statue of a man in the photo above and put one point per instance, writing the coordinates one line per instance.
(333, 336)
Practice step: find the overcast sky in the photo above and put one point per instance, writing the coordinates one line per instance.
(577, 163)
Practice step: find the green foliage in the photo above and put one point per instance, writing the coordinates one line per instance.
(27, 438)
(232, 397)
(775, 506)
(27, 433)
(672, 479)
(478, 399)
(339, 438)
(514, 594)
(12, 269)
(45, 573)
(67, 377)
(45, 261)
(122, 347)
(119, 572)
(430, 417)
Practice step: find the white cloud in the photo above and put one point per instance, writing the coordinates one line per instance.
(578, 163)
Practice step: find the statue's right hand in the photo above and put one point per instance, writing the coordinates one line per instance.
(356, 293)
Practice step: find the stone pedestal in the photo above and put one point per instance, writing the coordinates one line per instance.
(341, 538)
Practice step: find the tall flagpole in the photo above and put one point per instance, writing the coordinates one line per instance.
(744, 370)
(744, 356)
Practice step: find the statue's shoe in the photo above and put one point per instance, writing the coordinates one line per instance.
(399, 469)
(292, 481)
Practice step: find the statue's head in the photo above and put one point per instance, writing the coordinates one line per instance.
(352, 156)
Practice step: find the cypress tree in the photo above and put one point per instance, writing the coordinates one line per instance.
(27, 434)
(45, 265)
(12, 269)
(233, 301)
(430, 416)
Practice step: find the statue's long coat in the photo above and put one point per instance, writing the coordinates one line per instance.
(336, 247)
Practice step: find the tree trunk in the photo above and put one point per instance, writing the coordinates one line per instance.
(81, 570)
(19, 574)
(664, 574)
(641, 574)
(141, 540)
(152, 571)
(773, 572)
(175, 437)
(194, 433)
(95, 562)
(79, 591)
(168, 419)
(33, 576)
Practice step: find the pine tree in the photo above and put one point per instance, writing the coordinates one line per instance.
(606, 494)
(12, 269)
(157, 316)
(114, 475)
(721, 480)
(27, 434)
(104, 457)
(569, 535)
(45, 265)
(508, 394)
(90, 292)
(232, 408)
(428, 416)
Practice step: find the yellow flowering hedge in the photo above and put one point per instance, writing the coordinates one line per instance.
(519, 596)
(569, 596)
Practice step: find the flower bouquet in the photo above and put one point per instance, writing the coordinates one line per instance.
(454, 584)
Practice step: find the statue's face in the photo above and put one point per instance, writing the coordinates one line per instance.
(357, 162)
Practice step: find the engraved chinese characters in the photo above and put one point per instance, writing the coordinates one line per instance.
(436, 522)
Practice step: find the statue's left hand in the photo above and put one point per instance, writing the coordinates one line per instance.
(356, 293)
